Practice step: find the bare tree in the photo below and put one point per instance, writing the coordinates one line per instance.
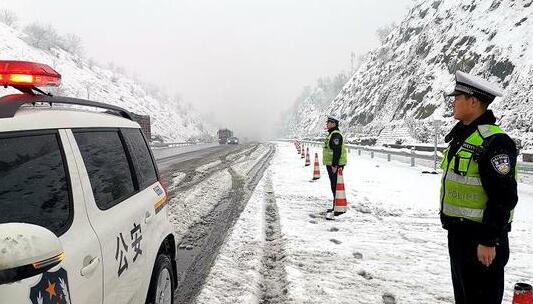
(72, 44)
(8, 17)
(88, 85)
(41, 36)
(91, 63)
(357, 61)
(384, 31)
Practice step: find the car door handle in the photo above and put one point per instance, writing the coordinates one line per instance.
(91, 267)
(147, 217)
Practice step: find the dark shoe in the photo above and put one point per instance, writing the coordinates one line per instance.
(329, 210)
(337, 213)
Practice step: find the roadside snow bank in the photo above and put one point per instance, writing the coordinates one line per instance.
(197, 202)
(235, 277)
(247, 161)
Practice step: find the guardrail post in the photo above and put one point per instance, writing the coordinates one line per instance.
(388, 156)
(359, 152)
(371, 154)
(412, 157)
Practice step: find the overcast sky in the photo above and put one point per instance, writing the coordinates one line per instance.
(241, 61)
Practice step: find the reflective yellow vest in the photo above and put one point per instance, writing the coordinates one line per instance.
(462, 194)
(327, 152)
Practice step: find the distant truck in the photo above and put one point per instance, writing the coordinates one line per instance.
(223, 135)
(233, 141)
(144, 122)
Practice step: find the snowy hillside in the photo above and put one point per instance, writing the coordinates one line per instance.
(171, 120)
(399, 89)
(312, 103)
(303, 117)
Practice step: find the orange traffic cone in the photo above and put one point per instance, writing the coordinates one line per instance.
(522, 294)
(316, 170)
(340, 195)
(307, 160)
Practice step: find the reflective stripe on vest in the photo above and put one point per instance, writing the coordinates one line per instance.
(327, 152)
(462, 194)
(462, 211)
(468, 180)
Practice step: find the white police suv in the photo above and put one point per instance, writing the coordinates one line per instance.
(83, 216)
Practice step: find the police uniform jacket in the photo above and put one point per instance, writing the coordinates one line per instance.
(500, 187)
(335, 143)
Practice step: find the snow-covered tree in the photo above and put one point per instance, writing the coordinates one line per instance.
(8, 17)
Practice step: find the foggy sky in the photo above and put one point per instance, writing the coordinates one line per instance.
(242, 62)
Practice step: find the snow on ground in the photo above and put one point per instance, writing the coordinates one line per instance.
(177, 177)
(241, 255)
(208, 166)
(388, 248)
(240, 155)
(188, 209)
(244, 163)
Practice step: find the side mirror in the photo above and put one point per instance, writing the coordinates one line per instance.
(27, 250)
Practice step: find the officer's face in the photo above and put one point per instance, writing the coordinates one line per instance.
(462, 107)
(330, 124)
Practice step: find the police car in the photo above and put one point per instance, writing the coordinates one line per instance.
(83, 214)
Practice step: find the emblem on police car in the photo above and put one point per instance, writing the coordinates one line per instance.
(52, 288)
(501, 164)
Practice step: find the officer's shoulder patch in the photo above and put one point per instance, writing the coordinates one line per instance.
(501, 163)
(336, 141)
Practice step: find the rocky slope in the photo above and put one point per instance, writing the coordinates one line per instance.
(398, 91)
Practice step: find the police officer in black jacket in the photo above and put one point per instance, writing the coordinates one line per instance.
(334, 157)
(478, 194)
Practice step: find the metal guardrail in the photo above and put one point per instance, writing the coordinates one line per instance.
(523, 167)
(171, 145)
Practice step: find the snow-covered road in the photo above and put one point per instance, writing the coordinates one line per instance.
(208, 189)
(388, 248)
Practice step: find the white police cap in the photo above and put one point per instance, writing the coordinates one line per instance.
(475, 86)
(333, 119)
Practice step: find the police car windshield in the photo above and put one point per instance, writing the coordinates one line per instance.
(33, 181)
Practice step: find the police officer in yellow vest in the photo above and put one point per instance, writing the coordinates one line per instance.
(478, 193)
(334, 157)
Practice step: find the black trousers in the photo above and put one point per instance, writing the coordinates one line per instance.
(474, 283)
(333, 180)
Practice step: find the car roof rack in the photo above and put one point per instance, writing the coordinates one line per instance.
(10, 104)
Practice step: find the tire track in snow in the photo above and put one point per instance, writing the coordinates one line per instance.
(274, 285)
(200, 246)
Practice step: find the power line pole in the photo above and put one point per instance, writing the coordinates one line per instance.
(352, 57)
(436, 123)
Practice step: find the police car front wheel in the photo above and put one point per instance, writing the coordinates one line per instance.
(161, 285)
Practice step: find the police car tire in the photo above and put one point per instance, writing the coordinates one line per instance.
(161, 263)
